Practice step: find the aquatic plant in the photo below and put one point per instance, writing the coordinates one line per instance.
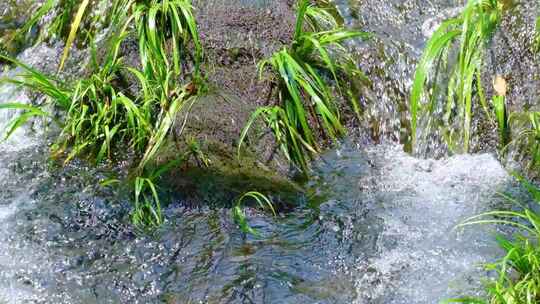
(164, 25)
(147, 212)
(67, 19)
(527, 137)
(470, 33)
(307, 107)
(518, 272)
(239, 215)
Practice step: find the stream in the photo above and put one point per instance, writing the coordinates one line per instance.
(376, 225)
(382, 231)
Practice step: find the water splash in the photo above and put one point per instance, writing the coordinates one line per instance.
(417, 256)
(379, 230)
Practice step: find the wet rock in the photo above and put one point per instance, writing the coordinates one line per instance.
(430, 25)
(215, 123)
(236, 35)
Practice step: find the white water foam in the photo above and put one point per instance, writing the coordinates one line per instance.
(419, 256)
(17, 257)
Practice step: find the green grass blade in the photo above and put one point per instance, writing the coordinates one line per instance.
(73, 32)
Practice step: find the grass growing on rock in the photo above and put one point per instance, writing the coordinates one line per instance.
(307, 107)
(164, 24)
(101, 116)
(458, 47)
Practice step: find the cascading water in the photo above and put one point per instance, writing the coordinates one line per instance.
(378, 225)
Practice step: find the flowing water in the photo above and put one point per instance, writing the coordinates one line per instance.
(379, 230)
(377, 225)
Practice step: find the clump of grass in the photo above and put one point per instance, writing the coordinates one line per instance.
(99, 120)
(98, 114)
(147, 212)
(239, 215)
(164, 25)
(518, 272)
(458, 45)
(101, 115)
(306, 108)
(527, 138)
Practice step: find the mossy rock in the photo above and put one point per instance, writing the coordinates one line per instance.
(219, 175)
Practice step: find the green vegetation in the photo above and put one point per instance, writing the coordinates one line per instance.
(101, 116)
(501, 114)
(240, 217)
(307, 107)
(527, 139)
(518, 272)
(147, 213)
(73, 31)
(99, 112)
(164, 23)
(470, 32)
(499, 106)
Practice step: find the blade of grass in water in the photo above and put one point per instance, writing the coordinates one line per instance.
(239, 215)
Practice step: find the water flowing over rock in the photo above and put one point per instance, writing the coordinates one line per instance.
(375, 226)
(381, 232)
(401, 216)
